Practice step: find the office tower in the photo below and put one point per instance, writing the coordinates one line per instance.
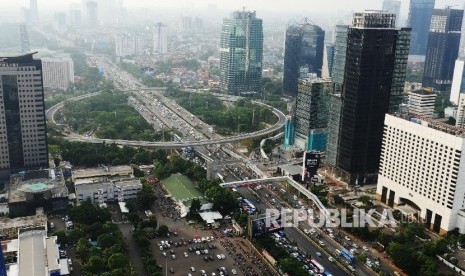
(311, 113)
(58, 73)
(160, 41)
(75, 18)
(33, 11)
(329, 59)
(419, 19)
(334, 122)
(23, 134)
(458, 82)
(340, 47)
(304, 48)
(241, 53)
(423, 165)
(60, 22)
(186, 23)
(443, 48)
(421, 102)
(460, 117)
(128, 45)
(392, 6)
(92, 13)
(374, 67)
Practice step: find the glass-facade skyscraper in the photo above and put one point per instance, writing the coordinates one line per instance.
(375, 64)
(241, 53)
(23, 134)
(339, 60)
(304, 49)
(419, 19)
(443, 48)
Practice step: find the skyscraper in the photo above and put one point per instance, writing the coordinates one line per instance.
(23, 134)
(375, 62)
(160, 41)
(311, 113)
(304, 48)
(329, 59)
(419, 20)
(340, 47)
(392, 6)
(458, 81)
(92, 13)
(241, 53)
(33, 11)
(443, 48)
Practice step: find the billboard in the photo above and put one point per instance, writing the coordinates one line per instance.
(259, 226)
(311, 163)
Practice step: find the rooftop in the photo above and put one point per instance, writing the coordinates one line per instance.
(9, 227)
(102, 171)
(436, 124)
(19, 188)
(32, 254)
(423, 91)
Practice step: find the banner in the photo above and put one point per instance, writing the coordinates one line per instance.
(311, 163)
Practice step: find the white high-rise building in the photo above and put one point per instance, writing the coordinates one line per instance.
(460, 119)
(160, 41)
(458, 82)
(23, 133)
(423, 167)
(128, 45)
(58, 73)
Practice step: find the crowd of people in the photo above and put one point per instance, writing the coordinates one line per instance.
(244, 259)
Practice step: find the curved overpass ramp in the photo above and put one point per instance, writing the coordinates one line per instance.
(166, 145)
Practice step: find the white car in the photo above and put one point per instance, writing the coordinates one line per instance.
(192, 269)
(306, 231)
(365, 248)
(197, 252)
(233, 271)
(347, 238)
(185, 255)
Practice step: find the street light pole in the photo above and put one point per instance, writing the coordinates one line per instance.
(166, 266)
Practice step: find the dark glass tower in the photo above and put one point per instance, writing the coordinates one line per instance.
(375, 65)
(23, 134)
(304, 49)
(419, 20)
(443, 48)
(241, 53)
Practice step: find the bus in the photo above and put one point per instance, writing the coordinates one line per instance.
(317, 265)
(348, 256)
(249, 207)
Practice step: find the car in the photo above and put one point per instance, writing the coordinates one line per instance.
(192, 269)
(185, 255)
(203, 271)
(347, 238)
(205, 251)
(197, 252)
(205, 258)
(218, 256)
(321, 243)
(331, 259)
(173, 257)
(318, 253)
(351, 268)
(365, 248)
(223, 256)
(171, 270)
(306, 231)
(164, 254)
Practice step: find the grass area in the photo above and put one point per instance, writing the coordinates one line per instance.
(181, 187)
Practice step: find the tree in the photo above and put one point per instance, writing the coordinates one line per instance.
(146, 196)
(292, 267)
(118, 261)
(195, 206)
(105, 240)
(163, 230)
(95, 265)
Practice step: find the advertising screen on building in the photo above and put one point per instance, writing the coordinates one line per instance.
(311, 162)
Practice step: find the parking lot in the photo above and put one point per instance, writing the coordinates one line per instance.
(180, 256)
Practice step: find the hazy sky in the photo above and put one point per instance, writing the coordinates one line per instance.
(266, 5)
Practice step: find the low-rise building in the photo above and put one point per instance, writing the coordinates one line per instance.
(421, 102)
(107, 190)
